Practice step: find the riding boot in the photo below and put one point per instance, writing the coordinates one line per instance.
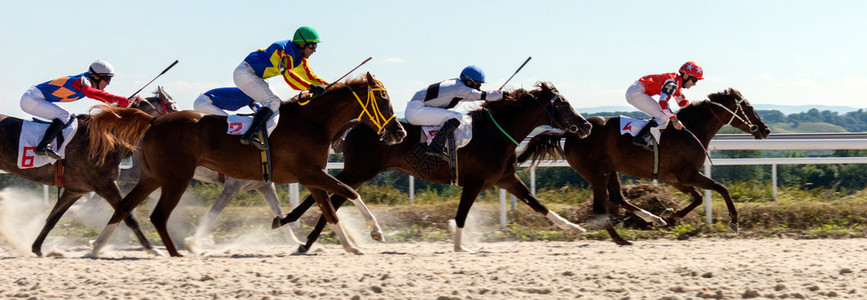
(438, 145)
(252, 134)
(641, 138)
(53, 130)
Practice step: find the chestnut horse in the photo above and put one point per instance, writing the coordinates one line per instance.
(599, 157)
(488, 160)
(175, 144)
(81, 173)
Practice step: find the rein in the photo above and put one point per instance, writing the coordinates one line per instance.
(551, 112)
(746, 121)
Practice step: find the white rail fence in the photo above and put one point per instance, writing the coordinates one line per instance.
(813, 141)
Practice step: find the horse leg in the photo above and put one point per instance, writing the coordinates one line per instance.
(336, 201)
(172, 190)
(330, 215)
(600, 196)
(230, 190)
(111, 194)
(328, 183)
(468, 196)
(269, 192)
(67, 198)
(696, 201)
(704, 182)
(615, 195)
(142, 190)
(514, 185)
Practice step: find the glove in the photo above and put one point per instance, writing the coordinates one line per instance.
(316, 90)
(124, 102)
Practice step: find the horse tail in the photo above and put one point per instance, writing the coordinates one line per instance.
(337, 140)
(116, 126)
(544, 144)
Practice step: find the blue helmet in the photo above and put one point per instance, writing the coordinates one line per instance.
(473, 73)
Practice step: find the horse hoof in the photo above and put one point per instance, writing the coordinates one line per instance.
(377, 235)
(659, 222)
(666, 213)
(734, 227)
(303, 249)
(277, 223)
(623, 243)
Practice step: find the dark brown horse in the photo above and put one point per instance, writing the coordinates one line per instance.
(488, 160)
(599, 157)
(175, 144)
(81, 173)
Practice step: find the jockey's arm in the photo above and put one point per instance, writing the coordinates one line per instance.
(100, 95)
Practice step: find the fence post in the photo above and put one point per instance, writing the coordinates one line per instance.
(502, 208)
(411, 189)
(774, 180)
(533, 181)
(294, 197)
(708, 206)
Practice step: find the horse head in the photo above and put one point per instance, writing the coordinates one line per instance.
(742, 114)
(376, 109)
(159, 104)
(560, 112)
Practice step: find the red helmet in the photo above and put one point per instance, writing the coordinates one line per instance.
(692, 69)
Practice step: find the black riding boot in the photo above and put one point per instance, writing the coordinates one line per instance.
(641, 138)
(53, 130)
(252, 134)
(438, 145)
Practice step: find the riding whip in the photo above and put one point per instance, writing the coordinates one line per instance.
(516, 72)
(350, 71)
(155, 78)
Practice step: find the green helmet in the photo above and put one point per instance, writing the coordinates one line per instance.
(305, 35)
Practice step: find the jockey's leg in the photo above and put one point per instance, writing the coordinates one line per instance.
(53, 130)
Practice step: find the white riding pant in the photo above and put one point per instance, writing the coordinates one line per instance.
(204, 104)
(34, 103)
(418, 114)
(636, 96)
(255, 87)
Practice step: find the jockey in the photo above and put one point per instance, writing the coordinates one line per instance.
(218, 101)
(430, 106)
(40, 99)
(287, 58)
(667, 86)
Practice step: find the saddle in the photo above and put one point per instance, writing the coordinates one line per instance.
(31, 134)
(238, 124)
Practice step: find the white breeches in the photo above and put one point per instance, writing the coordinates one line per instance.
(34, 103)
(255, 87)
(204, 104)
(636, 96)
(418, 114)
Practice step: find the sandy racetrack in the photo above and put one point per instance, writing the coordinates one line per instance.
(663, 269)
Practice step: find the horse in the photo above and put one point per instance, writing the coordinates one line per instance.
(172, 146)
(81, 173)
(487, 160)
(599, 157)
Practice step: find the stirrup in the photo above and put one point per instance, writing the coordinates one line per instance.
(47, 152)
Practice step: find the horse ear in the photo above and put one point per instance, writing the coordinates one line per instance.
(162, 94)
(371, 81)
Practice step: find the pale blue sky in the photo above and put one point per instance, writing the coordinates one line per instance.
(775, 52)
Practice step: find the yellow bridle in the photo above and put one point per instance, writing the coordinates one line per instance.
(375, 116)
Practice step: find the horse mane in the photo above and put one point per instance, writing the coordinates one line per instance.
(353, 83)
(495, 105)
(115, 126)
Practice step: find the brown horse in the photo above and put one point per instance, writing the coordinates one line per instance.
(175, 144)
(488, 160)
(81, 173)
(599, 157)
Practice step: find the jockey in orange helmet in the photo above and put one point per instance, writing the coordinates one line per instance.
(667, 86)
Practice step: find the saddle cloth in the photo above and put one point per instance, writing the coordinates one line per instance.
(31, 134)
(463, 134)
(239, 124)
(632, 126)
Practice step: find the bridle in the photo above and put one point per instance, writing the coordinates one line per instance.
(555, 107)
(739, 108)
(374, 113)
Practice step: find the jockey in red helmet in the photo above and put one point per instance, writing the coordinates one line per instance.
(667, 86)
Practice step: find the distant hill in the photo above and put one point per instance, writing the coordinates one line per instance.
(785, 109)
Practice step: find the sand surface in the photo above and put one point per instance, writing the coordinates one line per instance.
(662, 269)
